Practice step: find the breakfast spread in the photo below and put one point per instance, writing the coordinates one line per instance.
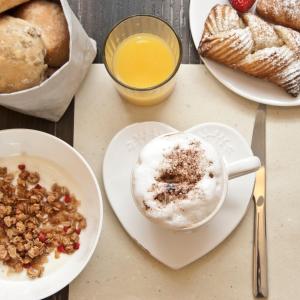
(35, 221)
(32, 37)
(283, 12)
(249, 44)
(178, 180)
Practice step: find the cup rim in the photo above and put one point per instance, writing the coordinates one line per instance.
(151, 87)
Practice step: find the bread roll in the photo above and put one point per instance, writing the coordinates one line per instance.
(22, 54)
(8, 4)
(50, 19)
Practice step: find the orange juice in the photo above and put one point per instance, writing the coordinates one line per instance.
(143, 60)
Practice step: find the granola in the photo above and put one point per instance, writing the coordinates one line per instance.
(35, 222)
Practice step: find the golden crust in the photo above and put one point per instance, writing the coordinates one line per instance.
(49, 18)
(263, 34)
(289, 78)
(22, 57)
(228, 47)
(265, 62)
(220, 19)
(290, 37)
(282, 12)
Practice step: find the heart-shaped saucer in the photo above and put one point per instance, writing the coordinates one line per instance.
(175, 249)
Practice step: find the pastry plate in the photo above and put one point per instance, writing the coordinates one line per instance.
(174, 249)
(244, 85)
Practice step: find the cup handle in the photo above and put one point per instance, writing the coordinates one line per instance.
(243, 167)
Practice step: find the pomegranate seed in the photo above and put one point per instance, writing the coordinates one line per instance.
(78, 230)
(66, 228)
(38, 186)
(21, 167)
(42, 237)
(76, 246)
(61, 248)
(67, 199)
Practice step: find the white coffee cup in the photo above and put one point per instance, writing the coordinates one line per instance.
(227, 172)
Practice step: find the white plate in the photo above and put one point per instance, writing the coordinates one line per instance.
(244, 85)
(174, 249)
(58, 272)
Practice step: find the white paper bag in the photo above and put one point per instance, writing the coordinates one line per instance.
(52, 97)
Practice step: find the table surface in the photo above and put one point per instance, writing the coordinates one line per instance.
(119, 268)
(98, 17)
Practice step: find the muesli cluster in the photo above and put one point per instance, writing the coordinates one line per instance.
(35, 221)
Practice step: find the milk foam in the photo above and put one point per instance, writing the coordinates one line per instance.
(198, 203)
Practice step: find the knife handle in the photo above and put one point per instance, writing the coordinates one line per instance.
(260, 264)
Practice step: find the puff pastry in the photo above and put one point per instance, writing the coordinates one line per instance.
(283, 12)
(251, 45)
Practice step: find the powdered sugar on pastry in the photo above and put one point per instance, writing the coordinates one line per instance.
(289, 78)
(256, 47)
(283, 12)
(290, 37)
(291, 8)
(263, 34)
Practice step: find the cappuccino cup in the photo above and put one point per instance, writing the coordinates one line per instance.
(180, 181)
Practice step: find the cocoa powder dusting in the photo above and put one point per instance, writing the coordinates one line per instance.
(181, 175)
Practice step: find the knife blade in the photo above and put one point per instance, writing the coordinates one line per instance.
(260, 262)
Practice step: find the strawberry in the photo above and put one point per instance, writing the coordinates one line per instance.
(242, 5)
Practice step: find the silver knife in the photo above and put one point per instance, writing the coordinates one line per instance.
(260, 262)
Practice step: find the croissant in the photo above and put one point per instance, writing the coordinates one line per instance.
(251, 45)
(284, 12)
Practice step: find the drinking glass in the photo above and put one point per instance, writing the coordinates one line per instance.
(143, 24)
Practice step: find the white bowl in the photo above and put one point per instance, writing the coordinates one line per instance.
(58, 272)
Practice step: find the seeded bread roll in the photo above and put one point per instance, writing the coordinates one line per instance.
(22, 54)
(8, 4)
(49, 18)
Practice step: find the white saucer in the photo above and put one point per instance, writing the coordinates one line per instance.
(174, 249)
(244, 85)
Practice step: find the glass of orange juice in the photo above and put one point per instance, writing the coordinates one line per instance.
(142, 54)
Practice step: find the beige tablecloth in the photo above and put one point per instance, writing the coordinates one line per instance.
(120, 269)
